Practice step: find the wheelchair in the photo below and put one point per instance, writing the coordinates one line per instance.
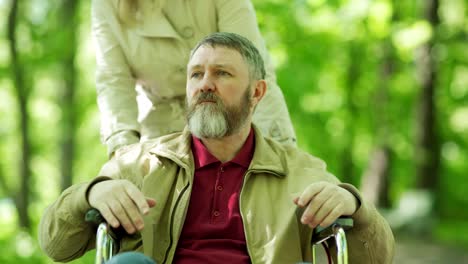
(107, 238)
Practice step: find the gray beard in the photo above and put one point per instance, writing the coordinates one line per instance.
(208, 122)
(215, 120)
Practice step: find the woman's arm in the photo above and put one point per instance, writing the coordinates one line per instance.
(115, 84)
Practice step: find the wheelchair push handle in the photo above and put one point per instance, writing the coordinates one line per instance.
(93, 216)
(106, 240)
(323, 233)
(336, 231)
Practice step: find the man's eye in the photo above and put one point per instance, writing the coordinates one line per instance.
(223, 73)
(195, 75)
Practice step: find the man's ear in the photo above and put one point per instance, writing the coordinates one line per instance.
(259, 91)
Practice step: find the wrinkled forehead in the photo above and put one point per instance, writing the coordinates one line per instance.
(219, 55)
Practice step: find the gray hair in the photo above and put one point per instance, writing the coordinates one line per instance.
(237, 42)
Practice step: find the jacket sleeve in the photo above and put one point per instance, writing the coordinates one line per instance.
(115, 84)
(371, 240)
(63, 233)
(271, 115)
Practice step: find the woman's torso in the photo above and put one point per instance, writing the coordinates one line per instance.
(157, 50)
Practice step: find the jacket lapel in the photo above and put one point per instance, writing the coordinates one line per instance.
(156, 24)
(266, 157)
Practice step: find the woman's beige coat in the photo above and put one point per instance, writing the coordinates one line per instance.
(149, 59)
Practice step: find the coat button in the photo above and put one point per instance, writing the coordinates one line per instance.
(187, 32)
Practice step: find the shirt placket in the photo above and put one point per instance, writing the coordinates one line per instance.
(217, 212)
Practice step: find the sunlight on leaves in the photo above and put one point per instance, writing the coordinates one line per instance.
(323, 20)
(335, 126)
(8, 217)
(453, 12)
(316, 3)
(24, 243)
(355, 9)
(37, 11)
(4, 54)
(279, 56)
(323, 102)
(380, 15)
(7, 100)
(362, 148)
(413, 36)
(43, 109)
(450, 151)
(459, 85)
(459, 120)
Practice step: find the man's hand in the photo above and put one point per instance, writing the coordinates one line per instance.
(120, 202)
(325, 202)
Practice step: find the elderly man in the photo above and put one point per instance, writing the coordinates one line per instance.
(218, 192)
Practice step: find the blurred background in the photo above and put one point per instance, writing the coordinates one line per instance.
(377, 88)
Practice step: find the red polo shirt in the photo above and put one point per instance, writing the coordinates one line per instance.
(213, 230)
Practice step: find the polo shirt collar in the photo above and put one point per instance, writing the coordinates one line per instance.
(203, 157)
(177, 147)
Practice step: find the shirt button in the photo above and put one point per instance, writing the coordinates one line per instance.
(216, 213)
(187, 32)
(222, 169)
(219, 188)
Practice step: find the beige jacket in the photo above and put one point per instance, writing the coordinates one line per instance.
(152, 56)
(163, 169)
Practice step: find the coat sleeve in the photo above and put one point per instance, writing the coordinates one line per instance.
(63, 233)
(115, 84)
(371, 240)
(271, 115)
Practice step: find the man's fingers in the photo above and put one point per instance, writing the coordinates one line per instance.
(330, 218)
(121, 203)
(327, 206)
(315, 206)
(296, 201)
(109, 216)
(138, 198)
(132, 212)
(151, 202)
(309, 193)
(120, 213)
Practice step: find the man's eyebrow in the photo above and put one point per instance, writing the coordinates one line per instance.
(217, 65)
(193, 66)
(223, 65)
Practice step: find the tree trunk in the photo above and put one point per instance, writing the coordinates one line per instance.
(22, 93)
(375, 183)
(68, 19)
(347, 167)
(427, 148)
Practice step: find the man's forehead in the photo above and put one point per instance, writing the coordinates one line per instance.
(217, 56)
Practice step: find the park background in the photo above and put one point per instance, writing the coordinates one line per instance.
(378, 89)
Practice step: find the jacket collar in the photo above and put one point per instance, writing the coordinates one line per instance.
(266, 157)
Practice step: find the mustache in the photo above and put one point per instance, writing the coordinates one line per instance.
(205, 97)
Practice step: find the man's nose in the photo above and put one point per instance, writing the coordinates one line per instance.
(207, 84)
